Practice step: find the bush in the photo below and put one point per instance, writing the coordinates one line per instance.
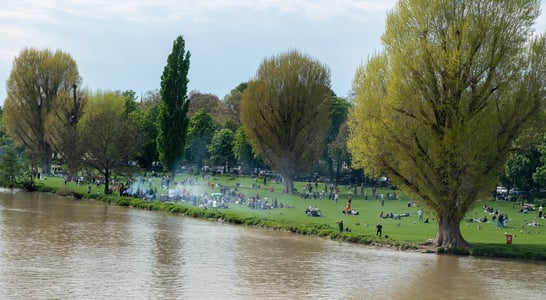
(64, 192)
(454, 251)
(29, 186)
(123, 202)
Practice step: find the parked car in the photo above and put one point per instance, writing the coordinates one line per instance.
(515, 191)
(237, 170)
(502, 190)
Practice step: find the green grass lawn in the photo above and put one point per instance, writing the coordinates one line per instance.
(406, 229)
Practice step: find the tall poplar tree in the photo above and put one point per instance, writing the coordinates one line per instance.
(173, 119)
(438, 109)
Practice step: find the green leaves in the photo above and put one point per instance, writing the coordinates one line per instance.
(173, 120)
(284, 112)
(438, 108)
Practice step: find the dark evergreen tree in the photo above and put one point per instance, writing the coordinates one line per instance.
(173, 120)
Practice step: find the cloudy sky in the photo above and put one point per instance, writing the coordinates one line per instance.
(124, 44)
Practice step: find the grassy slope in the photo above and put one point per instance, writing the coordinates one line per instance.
(406, 230)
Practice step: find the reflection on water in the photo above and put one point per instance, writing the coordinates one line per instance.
(59, 248)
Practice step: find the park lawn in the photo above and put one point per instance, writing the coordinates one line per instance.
(406, 229)
(517, 225)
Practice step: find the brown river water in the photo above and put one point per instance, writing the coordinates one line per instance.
(59, 248)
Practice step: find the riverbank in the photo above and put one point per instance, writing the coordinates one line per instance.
(404, 231)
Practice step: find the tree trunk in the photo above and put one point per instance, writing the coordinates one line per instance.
(449, 233)
(74, 174)
(331, 170)
(338, 170)
(46, 166)
(288, 184)
(106, 182)
(46, 160)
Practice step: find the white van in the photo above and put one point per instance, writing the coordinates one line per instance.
(502, 190)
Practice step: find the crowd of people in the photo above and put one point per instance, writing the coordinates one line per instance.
(218, 196)
(500, 220)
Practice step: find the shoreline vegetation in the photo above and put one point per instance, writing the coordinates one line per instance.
(402, 227)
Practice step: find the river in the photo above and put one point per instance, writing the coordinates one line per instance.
(59, 248)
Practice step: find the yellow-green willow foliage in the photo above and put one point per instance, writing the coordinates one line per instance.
(38, 79)
(284, 112)
(437, 109)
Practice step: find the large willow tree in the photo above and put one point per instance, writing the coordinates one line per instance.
(61, 128)
(284, 112)
(438, 108)
(38, 83)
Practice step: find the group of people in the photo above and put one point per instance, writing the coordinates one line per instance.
(341, 228)
(498, 218)
(391, 215)
(378, 227)
(348, 210)
(313, 211)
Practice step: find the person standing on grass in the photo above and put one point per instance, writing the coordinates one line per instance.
(420, 214)
(348, 205)
(500, 221)
(379, 230)
(340, 223)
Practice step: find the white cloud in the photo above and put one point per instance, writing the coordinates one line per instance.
(121, 33)
(123, 44)
(146, 10)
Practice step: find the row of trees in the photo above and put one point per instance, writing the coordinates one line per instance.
(525, 167)
(49, 115)
(458, 86)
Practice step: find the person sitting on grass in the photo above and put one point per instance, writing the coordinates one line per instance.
(353, 212)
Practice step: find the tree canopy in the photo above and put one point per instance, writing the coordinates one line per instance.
(336, 139)
(37, 82)
(173, 119)
(206, 101)
(107, 137)
(232, 103)
(220, 148)
(243, 151)
(61, 128)
(144, 118)
(438, 108)
(284, 112)
(200, 132)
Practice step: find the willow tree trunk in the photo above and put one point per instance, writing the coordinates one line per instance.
(288, 184)
(449, 233)
(46, 160)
